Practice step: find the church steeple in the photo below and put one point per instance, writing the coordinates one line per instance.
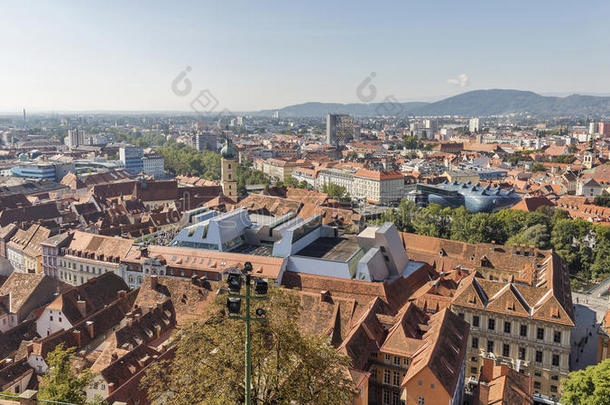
(227, 170)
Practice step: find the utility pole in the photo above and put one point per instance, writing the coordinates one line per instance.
(234, 281)
(248, 365)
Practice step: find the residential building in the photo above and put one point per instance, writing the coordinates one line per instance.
(89, 255)
(80, 318)
(588, 187)
(50, 252)
(279, 169)
(131, 158)
(205, 141)
(473, 125)
(412, 357)
(75, 138)
(23, 250)
(32, 254)
(21, 294)
(378, 187)
(339, 129)
(306, 174)
(153, 165)
(30, 213)
(517, 301)
(77, 303)
(339, 177)
(6, 233)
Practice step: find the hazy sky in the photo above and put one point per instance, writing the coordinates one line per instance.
(124, 55)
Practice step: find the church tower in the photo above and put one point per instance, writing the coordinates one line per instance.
(227, 171)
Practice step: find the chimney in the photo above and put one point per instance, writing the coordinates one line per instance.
(114, 357)
(487, 370)
(76, 334)
(325, 296)
(30, 348)
(194, 280)
(90, 329)
(130, 321)
(157, 331)
(110, 388)
(82, 307)
(153, 282)
(159, 306)
(121, 294)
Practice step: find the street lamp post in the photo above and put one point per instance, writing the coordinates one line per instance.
(234, 307)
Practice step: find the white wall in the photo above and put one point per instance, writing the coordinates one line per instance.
(45, 326)
(320, 267)
(38, 363)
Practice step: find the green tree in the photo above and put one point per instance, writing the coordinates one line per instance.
(401, 216)
(291, 182)
(335, 191)
(588, 386)
(603, 199)
(412, 142)
(61, 383)
(460, 224)
(287, 364)
(433, 220)
(536, 235)
(537, 167)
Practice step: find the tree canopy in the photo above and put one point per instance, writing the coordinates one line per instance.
(287, 364)
(583, 245)
(61, 383)
(588, 386)
(335, 191)
(182, 159)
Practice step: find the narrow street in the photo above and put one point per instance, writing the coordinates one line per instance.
(588, 312)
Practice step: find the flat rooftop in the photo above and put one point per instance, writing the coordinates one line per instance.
(256, 250)
(338, 249)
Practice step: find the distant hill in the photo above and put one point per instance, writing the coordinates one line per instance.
(321, 109)
(473, 103)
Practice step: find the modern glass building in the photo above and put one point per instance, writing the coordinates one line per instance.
(131, 158)
(35, 171)
(473, 196)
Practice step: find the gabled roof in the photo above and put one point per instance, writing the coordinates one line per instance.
(29, 213)
(190, 297)
(405, 336)
(508, 300)
(443, 351)
(23, 286)
(97, 293)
